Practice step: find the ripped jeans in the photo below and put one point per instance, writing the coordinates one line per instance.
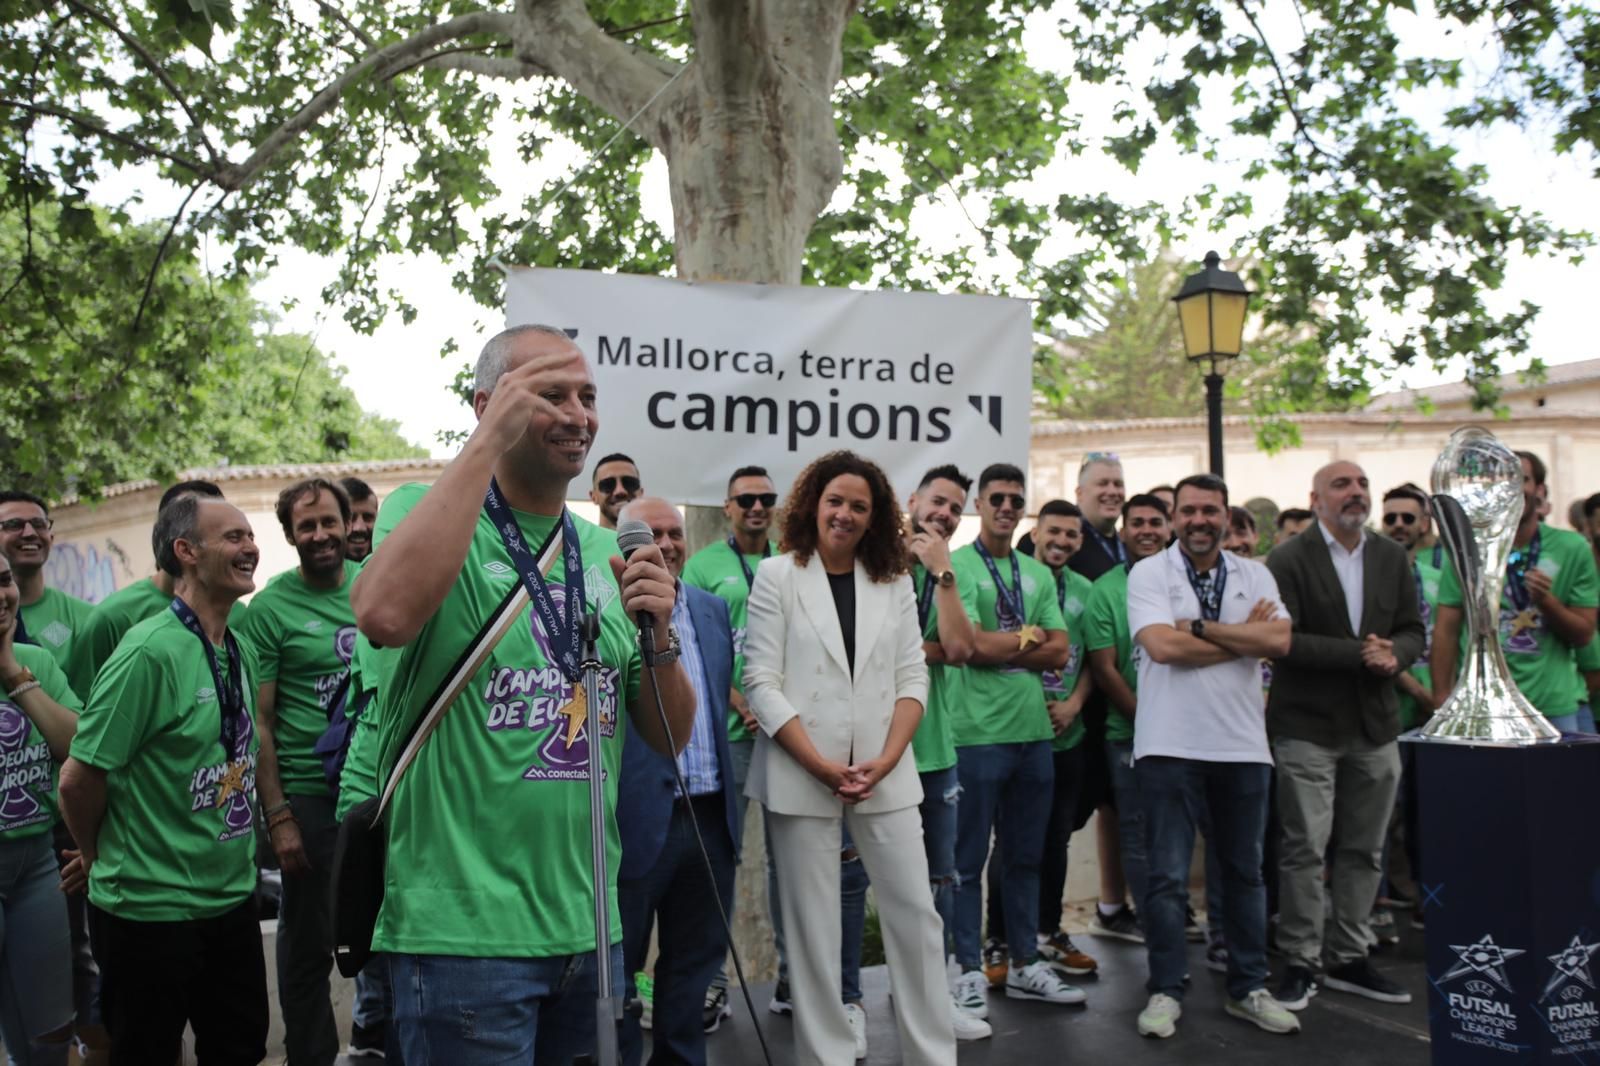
(941, 794)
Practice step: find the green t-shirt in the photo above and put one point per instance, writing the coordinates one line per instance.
(1588, 661)
(27, 770)
(111, 618)
(1107, 627)
(1005, 704)
(359, 779)
(304, 638)
(489, 851)
(53, 623)
(178, 839)
(1072, 596)
(717, 569)
(934, 743)
(1427, 577)
(1541, 665)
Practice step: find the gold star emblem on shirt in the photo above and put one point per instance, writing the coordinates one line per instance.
(232, 781)
(1525, 620)
(577, 712)
(1029, 634)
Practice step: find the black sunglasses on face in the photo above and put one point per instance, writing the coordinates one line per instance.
(608, 485)
(14, 525)
(998, 500)
(1392, 517)
(747, 500)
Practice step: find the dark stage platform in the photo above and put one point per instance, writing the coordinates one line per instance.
(1337, 1028)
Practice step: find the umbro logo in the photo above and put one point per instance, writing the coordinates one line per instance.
(57, 634)
(313, 625)
(496, 567)
(201, 695)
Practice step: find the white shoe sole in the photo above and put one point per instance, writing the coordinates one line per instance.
(1365, 992)
(1160, 1033)
(1066, 999)
(1261, 1023)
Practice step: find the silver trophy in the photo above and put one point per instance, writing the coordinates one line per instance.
(1477, 502)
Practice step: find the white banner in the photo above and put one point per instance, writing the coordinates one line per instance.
(697, 380)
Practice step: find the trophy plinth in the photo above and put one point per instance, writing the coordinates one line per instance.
(1477, 502)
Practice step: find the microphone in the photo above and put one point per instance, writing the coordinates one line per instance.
(632, 534)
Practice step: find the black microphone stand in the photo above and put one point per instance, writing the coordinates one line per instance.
(607, 1006)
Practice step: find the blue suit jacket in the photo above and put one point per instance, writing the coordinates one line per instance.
(645, 798)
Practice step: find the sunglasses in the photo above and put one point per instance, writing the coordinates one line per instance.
(14, 525)
(1090, 458)
(608, 485)
(1392, 517)
(998, 500)
(747, 500)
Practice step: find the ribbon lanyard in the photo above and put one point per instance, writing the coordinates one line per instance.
(1061, 590)
(1422, 599)
(1522, 560)
(1209, 591)
(564, 629)
(1111, 545)
(230, 693)
(1009, 598)
(749, 575)
(19, 632)
(925, 599)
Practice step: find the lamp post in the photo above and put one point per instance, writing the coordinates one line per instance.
(1211, 309)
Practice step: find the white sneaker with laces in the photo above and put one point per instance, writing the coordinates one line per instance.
(858, 1027)
(968, 1026)
(972, 993)
(1160, 1016)
(1260, 1009)
(1040, 981)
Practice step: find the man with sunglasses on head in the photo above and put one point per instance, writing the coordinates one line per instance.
(46, 617)
(1002, 735)
(1101, 492)
(727, 570)
(616, 481)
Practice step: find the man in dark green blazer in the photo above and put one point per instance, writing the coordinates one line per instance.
(1333, 715)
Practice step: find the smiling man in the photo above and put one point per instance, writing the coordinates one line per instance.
(1101, 492)
(303, 632)
(363, 516)
(616, 481)
(166, 753)
(48, 618)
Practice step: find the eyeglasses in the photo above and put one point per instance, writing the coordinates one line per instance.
(747, 500)
(1090, 458)
(998, 500)
(14, 525)
(1391, 517)
(608, 485)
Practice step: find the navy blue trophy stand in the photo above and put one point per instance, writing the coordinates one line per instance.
(1510, 882)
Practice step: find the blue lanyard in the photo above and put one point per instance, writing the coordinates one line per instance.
(19, 633)
(230, 693)
(1011, 598)
(563, 629)
(925, 599)
(1210, 596)
(1112, 546)
(1517, 566)
(749, 575)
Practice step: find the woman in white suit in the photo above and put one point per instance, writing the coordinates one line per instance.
(835, 675)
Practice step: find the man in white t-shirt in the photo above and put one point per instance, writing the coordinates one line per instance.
(1205, 618)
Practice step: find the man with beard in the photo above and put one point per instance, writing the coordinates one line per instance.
(46, 617)
(1114, 663)
(363, 516)
(947, 607)
(1057, 536)
(159, 792)
(616, 481)
(727, 569)
(1547, 610)
(1333, 714)
(1203, 617)
(1002, 736)
(1407, 520)
(303, 632)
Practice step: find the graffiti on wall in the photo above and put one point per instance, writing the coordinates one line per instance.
(82, 570)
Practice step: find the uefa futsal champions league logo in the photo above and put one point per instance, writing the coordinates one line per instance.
(24, 770)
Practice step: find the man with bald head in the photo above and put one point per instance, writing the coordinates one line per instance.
(664, 880)
(1333, 715)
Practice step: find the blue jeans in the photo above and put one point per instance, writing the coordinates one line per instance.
(1007, 788)
(1177, 794)
(497, 1012)
(941, 802)
(1130, 818)
(35, 956)
(1579, 721)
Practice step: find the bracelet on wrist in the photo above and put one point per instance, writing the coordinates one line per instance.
(274, 810)
(26, 686)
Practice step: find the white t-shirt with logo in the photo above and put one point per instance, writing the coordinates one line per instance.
(1211, 713)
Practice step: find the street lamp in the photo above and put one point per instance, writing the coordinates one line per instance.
(1211, 308)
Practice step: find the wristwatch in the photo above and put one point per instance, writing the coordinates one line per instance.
(946, 578)
(668, 655)
(1197, 628)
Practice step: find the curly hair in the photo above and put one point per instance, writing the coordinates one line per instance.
(882, 551)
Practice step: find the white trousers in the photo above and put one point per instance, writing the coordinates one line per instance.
(806, 851)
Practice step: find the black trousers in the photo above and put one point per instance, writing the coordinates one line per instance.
(157, 977)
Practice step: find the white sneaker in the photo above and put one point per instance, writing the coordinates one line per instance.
(968, 1026)
(858, 1027)
(1259, 1008)
(1041, 981)
(972, 993)
(1160, 1016)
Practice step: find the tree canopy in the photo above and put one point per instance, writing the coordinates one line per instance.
(802, 137)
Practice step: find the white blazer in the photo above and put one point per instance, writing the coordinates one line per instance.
(795, 666)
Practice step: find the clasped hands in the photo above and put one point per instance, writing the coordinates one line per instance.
(854, 783)
(1377, 655)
